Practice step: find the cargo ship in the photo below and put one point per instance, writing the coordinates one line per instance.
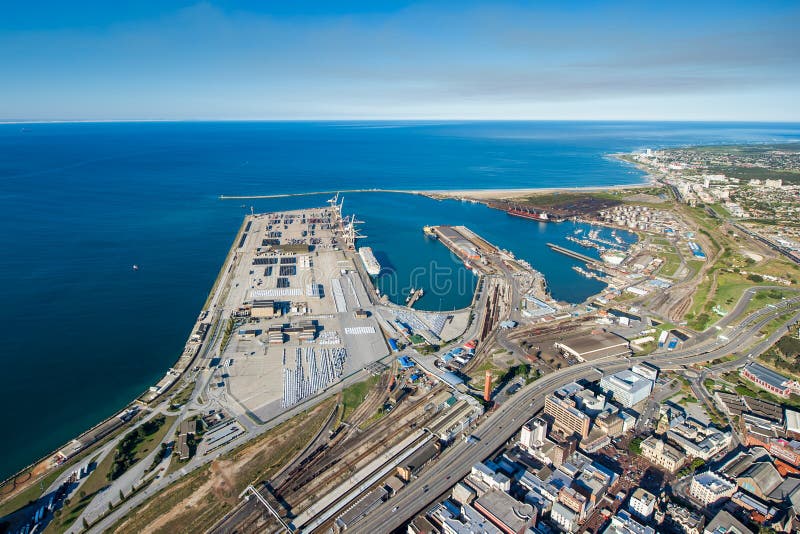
(370, 263)
(531, 214)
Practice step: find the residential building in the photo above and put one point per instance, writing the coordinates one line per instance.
(708, 488)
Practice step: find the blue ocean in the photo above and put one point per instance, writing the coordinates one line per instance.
(83, 333)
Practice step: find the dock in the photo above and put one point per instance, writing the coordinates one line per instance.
(414, 297)
(572, 253)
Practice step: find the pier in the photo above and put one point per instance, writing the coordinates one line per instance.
(572, 253)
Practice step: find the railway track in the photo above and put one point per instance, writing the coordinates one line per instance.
(323, 468)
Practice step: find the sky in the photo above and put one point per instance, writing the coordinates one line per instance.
(287, 60)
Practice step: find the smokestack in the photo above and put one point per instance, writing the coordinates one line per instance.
(487, 386)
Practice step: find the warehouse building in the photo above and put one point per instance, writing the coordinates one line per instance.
(593, 346)
(770, 380)
(263, 309)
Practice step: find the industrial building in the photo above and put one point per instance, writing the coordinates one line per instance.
(411, 466)
(627, 388)
(263, 309)
(594, 346)
(770, 380)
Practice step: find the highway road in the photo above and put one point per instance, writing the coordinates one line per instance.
(456, 462)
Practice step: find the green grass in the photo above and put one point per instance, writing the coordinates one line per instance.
(374, 418)
(353, 396)
(98, 479)
(183, 396)
(671, 264)
(263, 460)
(32, 493)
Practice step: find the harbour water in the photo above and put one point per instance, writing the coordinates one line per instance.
(80, 204)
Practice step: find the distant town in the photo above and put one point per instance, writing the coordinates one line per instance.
(305, 400)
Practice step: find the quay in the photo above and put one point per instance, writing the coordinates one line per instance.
(572, 253)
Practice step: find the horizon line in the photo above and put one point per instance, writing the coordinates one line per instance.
(388, 119)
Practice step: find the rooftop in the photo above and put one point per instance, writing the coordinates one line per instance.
(506, 509)
(766, 375)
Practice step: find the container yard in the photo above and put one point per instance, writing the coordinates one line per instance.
(299, 312)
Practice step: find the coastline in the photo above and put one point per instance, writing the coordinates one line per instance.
(479, 195)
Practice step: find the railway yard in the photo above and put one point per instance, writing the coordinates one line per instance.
(417, 396)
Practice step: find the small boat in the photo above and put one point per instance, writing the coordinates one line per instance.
(135, 267)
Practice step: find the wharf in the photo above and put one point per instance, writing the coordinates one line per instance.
(572, 253)
(467, 245)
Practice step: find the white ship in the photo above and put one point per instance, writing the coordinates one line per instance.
(370, 263)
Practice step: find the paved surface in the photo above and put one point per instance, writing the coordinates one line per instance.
(435, 482)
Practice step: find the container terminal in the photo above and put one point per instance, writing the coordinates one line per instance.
(294, 317)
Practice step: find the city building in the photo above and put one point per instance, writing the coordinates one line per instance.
(566, 416)
(533, 433)
(483, 478)
(725, 523)
(760, 479)
(699, 441)
(573, 500)
(421, 525)
(610, 423)
(417, 461)
(642, 503)
(507, 513)
(662, 454)
(468, 521)
(623, 523)
(708, 488)
(626, 387)
(770, 380)
(676, 518)
(566, 519)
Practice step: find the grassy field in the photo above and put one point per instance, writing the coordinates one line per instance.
(353, 396)
(32, 493)
(182, 396)
(98, 479)
(671, 263)
(201, 498)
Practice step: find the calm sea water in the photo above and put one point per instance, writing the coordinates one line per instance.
(83, 334)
